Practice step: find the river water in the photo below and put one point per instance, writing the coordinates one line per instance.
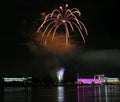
(98, 93)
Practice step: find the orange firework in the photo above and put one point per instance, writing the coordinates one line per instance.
(62, 17)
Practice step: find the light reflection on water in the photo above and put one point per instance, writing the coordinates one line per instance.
(98, 93)
(89, 93)
(106, 93)
(15, 94)
(112, 93)
(60, 95)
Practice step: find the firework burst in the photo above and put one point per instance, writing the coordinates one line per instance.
(60, 74)
(68, 18)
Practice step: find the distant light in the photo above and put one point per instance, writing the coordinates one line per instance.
(89, 81)
(61, 7)
(63, 21)
(14, 79)
(60, 74)
(66, 5)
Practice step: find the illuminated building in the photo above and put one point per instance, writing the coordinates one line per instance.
(98, 79)
(107, 79)
(16, 81)
(6, 79)
(89, 81)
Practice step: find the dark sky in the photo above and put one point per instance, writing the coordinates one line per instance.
(99, 55)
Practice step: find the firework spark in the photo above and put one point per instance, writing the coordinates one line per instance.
(68, 18)
(60, 74)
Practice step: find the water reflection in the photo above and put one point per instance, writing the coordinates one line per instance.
(105, 93)
(89, 93)
(112, 93)
(60, 94)
(98, 93)
(17, 94)
(1, 94)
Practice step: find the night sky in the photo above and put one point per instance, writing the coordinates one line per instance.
(99, 55)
